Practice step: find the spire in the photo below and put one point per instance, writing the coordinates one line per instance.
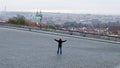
(38, 16)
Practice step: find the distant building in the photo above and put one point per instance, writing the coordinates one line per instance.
(30, 23)
(38, 17)
(114, 30)
(3, 21)
(38, 20)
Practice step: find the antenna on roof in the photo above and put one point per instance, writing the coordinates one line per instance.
(5, 9)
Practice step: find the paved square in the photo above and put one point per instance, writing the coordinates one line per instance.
(24, 49)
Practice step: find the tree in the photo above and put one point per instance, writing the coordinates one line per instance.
(19, 20)
(70, 24)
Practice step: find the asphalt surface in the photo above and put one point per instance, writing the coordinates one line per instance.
(24, 49)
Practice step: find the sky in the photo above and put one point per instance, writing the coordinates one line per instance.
(63, 6)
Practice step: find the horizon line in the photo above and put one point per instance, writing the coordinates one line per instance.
(61, 11)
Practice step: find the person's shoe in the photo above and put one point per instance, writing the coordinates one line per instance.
(57, 52)
(60, 53)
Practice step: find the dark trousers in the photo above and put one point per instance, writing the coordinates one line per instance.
(59, 50)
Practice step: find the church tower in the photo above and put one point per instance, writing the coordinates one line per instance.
(38, 17)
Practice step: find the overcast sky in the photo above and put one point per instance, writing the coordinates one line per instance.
(68, 6)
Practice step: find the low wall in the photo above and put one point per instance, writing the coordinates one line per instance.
(28, 28)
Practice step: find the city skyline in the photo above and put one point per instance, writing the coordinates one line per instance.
(63, 6)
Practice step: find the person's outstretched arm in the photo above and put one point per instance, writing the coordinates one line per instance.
(56, 40)
(64, 41)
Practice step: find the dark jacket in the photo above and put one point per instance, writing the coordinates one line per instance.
(60, 42)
